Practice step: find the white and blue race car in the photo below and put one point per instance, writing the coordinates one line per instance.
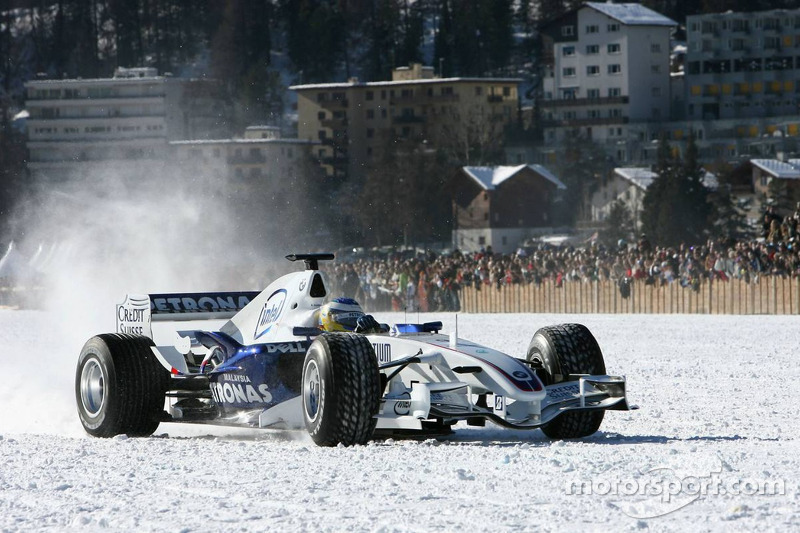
(269, 366)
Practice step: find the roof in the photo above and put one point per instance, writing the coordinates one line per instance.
(282, 140)
(632, 14)
(349, 84)
(779, 169)
(641, 177)
(490, 177)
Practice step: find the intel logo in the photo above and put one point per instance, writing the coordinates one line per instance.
(271, 312)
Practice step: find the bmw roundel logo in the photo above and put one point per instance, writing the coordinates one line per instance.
(520, 374)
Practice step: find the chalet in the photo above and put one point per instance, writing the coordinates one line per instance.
(787, 175)
(502, 206)
(625, 184)
(628, 185)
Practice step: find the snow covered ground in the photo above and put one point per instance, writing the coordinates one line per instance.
(713, 447)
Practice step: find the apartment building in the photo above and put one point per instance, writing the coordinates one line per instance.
(743, 65)
(261, 154)
(356, 122)
(78, 126)
(606, 66)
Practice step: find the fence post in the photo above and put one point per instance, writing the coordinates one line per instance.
(774, 296)
(710, 296)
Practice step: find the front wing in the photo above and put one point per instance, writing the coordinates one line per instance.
(455, 401)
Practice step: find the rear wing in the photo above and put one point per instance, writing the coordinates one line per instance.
(136, 313)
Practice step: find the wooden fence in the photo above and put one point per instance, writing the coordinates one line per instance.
(768, 296)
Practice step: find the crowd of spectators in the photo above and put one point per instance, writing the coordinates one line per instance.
(432, 282)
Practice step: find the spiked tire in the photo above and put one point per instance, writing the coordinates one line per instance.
(120, 386)
(558, 352)
(341, 389)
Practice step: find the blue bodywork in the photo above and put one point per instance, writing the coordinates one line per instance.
(253, 377)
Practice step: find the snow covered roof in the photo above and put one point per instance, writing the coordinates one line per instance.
(632, 14)
(779, 169)
(282, 140)
(490, 177)
(342, 85)
(641, 177)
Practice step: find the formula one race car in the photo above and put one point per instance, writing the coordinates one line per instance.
(270, 366)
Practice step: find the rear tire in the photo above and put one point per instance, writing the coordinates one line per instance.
(559, 351)
(341, 389)
(120, 386)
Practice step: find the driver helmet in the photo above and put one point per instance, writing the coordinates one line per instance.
(340, 314)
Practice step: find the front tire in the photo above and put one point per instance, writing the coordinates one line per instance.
(120, 386)
(341, 389)
(558, 352)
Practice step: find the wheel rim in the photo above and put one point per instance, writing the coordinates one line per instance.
(311, 390)
(93, 387)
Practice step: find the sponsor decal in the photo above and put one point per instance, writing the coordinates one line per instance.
(402, 407)
(291, 347)
(199, 303)
(271, 312)
(564, 392)
(499, 405)
(302, 285)
(238, 389)
(133, 317)
(383, 352)
(519, 374)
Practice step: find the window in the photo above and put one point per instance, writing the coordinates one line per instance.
(593, 113)
(570, 93)
(613, 27)
(216, 152)
(383, 113)
(614, 92)
(478, 91)
(655, 69)
(568, 72)
(506, 91)
(370, 95)
(592, 28)
(568, 51)
(370, 133)
(614, 113)
(370, 113)
(321, 115)
(593, 70)
(656, 91)
(567, 31)
(592, 49)
(593, 93)
(615, 69)
(655, 48)
(613, 48)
